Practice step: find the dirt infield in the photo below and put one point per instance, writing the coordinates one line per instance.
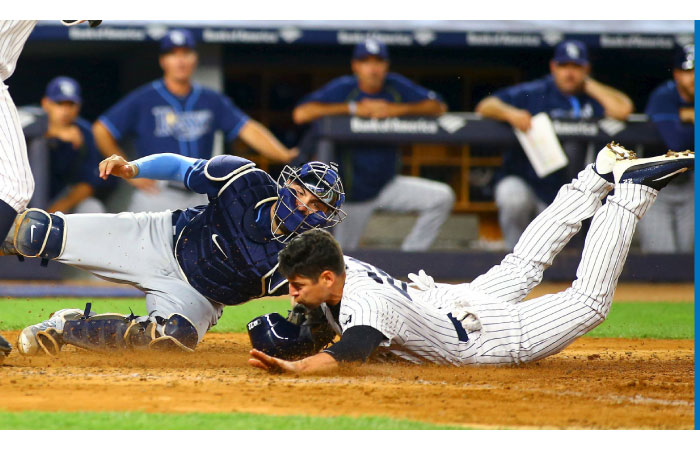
(596, 383)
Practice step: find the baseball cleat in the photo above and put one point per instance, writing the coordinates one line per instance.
(654, 172)
(46, 336)
(607, 157)
(5, 348)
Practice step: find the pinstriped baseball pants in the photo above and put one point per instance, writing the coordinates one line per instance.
(16, 181)
(516, 331)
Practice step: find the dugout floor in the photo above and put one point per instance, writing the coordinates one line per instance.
(595, 383)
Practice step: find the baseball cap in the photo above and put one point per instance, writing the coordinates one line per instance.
(63, 89)
(571, 51)
(685, 58)
(370, 47)
(178, 37)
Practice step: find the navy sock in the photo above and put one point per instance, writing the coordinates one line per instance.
(7, 216)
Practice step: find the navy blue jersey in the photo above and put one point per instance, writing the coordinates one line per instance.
(225, 249)
(162, 122)
(542, 95)
(662, 109)
(367, 169)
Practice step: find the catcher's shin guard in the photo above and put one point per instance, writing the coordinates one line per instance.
(39, 234)
(117, 332)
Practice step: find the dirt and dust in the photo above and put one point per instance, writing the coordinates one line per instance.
(595, 383)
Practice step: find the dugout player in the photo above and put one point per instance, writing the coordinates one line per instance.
(569, 92)
(369, 171)
(485, 321)
(670, 226)
(189, 263)
(176, 115)
(62, 150)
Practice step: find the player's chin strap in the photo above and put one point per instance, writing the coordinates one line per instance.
(118, 332)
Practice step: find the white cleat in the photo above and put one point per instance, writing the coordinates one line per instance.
(46, 336)
(608, 156)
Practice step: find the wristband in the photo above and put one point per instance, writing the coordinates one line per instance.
(352, 108)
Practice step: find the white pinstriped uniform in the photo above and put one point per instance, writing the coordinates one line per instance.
(416, 324)
(16, 181)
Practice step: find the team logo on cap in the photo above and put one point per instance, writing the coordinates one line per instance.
(67, 88)
(372, 46)
(177, 37)
(572, 51)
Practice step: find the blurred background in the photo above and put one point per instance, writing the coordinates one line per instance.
(267, 68)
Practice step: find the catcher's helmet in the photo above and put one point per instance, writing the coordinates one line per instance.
(323, 181)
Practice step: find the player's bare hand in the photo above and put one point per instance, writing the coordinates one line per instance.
(70, 133)
(687, 114)
(117, 166)
(271, 364)
(520, 119)
(374, 108)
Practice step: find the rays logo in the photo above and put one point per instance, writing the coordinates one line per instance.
(183, 126)
(67, 88)
(572, 50)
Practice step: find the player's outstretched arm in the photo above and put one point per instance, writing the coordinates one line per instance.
(160, 166)
(265, 143)
(320, 362)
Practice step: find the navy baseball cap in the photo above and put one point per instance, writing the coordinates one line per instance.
(63, 89)
(571, 51)
(178, 37)
(371, 47)
(685, 58)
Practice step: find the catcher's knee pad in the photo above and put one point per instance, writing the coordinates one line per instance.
(40, 234)
(177, 332)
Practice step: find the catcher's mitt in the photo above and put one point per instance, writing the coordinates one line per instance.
(313, 322)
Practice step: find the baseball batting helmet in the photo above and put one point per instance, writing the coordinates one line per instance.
(323, 181)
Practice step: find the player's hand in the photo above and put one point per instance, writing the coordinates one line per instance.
(271, 364)
(687, 114)
(520, 119)
(292, 153)
(71, 134)
(422, 281)
(374, 108)
(117, 166)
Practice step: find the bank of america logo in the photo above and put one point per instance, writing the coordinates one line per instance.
(451, 123)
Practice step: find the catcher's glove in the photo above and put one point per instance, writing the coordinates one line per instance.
(313, 323)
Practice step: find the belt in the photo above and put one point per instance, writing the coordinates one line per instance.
(461, 332)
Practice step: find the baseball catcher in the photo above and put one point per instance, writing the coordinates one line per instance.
(189, 263)
(485, 321)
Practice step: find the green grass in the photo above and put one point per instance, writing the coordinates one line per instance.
(630, 320)
(648, 320)
(30, 420)
(15, 314)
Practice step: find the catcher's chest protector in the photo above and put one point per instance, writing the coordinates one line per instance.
(227, 251)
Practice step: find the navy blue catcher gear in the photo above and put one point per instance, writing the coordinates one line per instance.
(275, 336)
(322, 181)
(112, 332)
(39, 234)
